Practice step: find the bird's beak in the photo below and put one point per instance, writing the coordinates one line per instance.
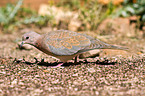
(22, 44)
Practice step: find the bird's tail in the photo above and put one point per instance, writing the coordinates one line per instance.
(102, 45)
(108, 46)
(97, 44)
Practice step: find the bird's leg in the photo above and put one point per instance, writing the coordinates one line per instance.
(78, 59)
(75, 60)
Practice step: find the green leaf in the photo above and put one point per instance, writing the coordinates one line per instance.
(140, 11)
(143, 17)
(3, 18)
(124, 14)
(136, 5)
(15, 10)
(130, 9)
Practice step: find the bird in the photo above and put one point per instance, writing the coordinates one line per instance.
(65, 44)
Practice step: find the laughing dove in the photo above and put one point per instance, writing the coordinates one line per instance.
(64, 44)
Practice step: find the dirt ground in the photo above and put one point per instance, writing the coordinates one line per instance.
(113, 72)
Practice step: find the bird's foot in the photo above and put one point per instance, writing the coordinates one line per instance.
(59, 65)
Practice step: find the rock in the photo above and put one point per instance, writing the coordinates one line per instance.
(74, 25)
(117, 27)
(60, 15)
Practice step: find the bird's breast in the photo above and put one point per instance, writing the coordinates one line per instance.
(42, 47)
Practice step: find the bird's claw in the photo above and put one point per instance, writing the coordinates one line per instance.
(59, 65)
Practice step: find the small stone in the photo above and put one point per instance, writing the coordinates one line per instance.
(75, 75)
(92, 70)
(76, 89)
(3, 72)
(14, 82)
(46, 71)
(97, 93)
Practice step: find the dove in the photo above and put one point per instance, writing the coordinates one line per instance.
(65, 44)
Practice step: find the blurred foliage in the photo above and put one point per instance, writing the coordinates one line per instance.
(91, 13)
(8, 13)
(13, 16)
(129, 8)
(115, 2)
(133, 7)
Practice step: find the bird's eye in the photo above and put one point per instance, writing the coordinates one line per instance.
(27, 37)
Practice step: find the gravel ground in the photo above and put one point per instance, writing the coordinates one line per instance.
(103, 77)
(99, 76)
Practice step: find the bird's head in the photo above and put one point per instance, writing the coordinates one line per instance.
(29, 38)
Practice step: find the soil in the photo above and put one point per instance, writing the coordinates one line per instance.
(113, 72)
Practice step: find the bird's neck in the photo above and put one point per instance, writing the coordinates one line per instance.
(39, 42)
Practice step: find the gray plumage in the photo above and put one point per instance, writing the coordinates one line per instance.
(65, 44)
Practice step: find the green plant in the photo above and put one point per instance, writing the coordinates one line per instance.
(13, 16)
(38, 20)
(91, 13)
(94, 13)
(8, 13)
(131, 9)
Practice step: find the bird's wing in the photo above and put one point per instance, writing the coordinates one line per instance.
(63, 42)
(97, 44)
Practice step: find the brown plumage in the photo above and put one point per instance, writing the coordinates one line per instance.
(64, 44)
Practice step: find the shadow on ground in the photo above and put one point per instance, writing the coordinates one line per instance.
(42, 63)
